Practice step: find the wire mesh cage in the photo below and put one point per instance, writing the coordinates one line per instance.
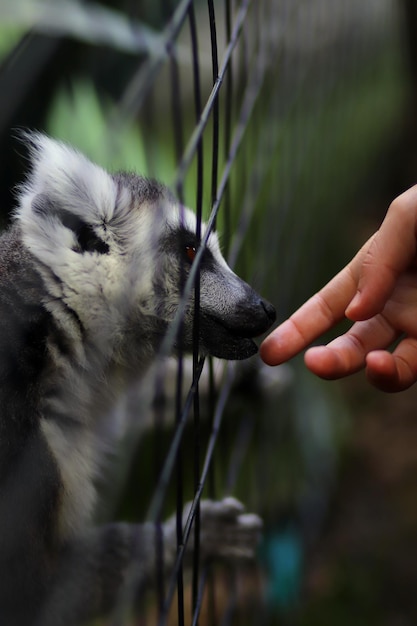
(260, 116)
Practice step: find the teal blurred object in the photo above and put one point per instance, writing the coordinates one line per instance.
(283, 557)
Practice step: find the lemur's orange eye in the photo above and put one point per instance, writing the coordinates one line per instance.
(190, 251)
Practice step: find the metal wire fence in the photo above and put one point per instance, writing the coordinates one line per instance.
(236, 108)
(262, 43)
(253, 101)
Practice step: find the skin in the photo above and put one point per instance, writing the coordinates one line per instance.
(377, 290)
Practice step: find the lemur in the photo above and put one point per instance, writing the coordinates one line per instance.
(90, 279)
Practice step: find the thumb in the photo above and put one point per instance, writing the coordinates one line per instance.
(376, 282)
(386, 255)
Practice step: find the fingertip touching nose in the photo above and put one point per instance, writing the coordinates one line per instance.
(269, 310)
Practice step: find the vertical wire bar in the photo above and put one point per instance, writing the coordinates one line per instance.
(215, 73)
(179, 477)
(243, 164)
(196, 326)
(214, 167)
(214, 183)
(159, 409)
(230, 610)
(178, 146)
(160, 579)
(211, 489)
(206, 112)
(227, 129)
(197, 610)
(176, 114)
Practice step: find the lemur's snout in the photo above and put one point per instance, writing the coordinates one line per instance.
(230, 335)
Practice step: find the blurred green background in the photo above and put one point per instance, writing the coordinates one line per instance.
(330, 141)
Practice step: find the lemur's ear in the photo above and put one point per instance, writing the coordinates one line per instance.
(69, 180)
(86, 237)
(67, 203)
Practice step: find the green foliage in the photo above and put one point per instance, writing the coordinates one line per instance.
(9, 37)
(93, 125)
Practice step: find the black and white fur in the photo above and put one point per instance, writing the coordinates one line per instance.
(90, 279)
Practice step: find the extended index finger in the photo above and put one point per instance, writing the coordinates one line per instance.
(320, 313)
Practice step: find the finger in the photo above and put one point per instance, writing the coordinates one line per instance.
(389, 253)
(393, 372)
(316, 316)
(320, 313)
(347, 354)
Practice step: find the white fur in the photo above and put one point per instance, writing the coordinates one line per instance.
(108, 304)
(93, 275)
(104, 290)
(100, 289)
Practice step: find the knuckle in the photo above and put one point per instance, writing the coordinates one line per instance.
(325, 308)
(356, 342)
(405, 206)
(401, 205)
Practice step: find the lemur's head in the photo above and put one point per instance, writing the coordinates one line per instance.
(117, 250)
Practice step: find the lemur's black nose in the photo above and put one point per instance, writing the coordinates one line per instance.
(259, 315)
(269, 310)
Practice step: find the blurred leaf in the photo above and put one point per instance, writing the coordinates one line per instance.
(92, 23)
(93, 125)
(81, 119)
(9, 37)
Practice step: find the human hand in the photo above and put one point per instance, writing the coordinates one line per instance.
(378, 291)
